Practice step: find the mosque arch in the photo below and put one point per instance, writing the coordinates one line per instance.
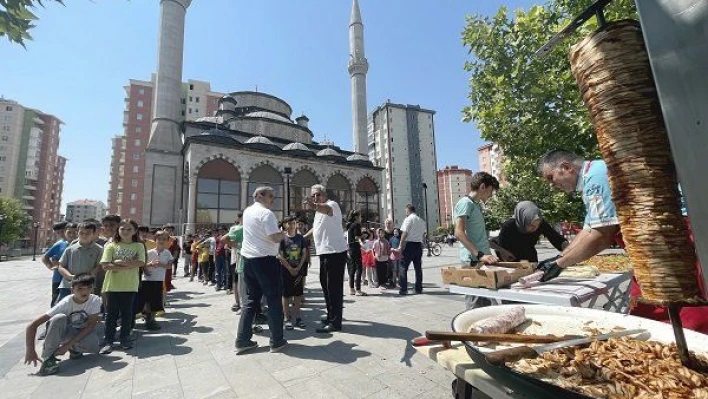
(340, 190)
(367, 200)
(218, 192)
(267, 175)
(300, 184)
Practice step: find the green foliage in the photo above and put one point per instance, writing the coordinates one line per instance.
(530, 105)
(16, 221)
(17, 18)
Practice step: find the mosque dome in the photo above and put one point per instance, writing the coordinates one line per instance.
(356, 157)
(260, 140)
(268, 115)
(328, 152)
(210, 119)
(297, 147)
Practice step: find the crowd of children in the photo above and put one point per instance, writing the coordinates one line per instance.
(111, 268)
(115, 270)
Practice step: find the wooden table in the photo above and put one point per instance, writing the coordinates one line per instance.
(471, 380)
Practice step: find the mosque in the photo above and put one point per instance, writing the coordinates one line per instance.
(203, 172)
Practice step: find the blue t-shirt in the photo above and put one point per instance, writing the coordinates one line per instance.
(55, 252)
(594, 186)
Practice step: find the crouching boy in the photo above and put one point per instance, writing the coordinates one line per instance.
(72, 327)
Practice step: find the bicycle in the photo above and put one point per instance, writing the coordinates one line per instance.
(435, 249)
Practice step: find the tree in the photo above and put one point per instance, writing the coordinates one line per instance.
(16, 222)
(530, 105)
(16, 19)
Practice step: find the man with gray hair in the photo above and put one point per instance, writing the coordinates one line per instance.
(331, 247)
(261, 271)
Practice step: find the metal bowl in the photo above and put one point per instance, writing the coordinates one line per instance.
(561, 321)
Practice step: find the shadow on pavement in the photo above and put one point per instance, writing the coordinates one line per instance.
(380, 330)
(334, 352)
(69, 368)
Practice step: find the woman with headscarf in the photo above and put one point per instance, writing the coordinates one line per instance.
(518, 236)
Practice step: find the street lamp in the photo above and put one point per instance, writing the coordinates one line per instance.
(288, 171)
(425, 196)
(36, 235)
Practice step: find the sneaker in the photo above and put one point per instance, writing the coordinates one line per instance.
(299, 323)
(49, 366)
(191, 279)
(73, 355)
(235, 307)
(278, 347)
(229, 292)
(289, 325)
(352, 292)
(152, 325)
(106, 349)
(126, 345)
(257, 329)
(243, 349)
(260, 318)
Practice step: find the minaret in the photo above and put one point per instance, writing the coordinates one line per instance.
(165, 134)
(358, 66)
(163, 159)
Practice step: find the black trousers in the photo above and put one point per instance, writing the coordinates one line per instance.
(55, 293)
(381, 272)
(354, 267)
(413, 252)
(119, 304)
(332, 281)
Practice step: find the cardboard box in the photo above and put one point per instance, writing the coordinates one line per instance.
(477, 278)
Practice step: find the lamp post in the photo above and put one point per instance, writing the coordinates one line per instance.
(3, 218)
(36, 235)
(425, 198)
(288, 171)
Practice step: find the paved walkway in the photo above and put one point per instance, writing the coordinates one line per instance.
(193, 355)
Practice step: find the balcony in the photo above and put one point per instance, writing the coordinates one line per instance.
(30, 187)
(28, 197)
(28, 207)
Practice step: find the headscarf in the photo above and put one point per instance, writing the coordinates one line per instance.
(525, 213)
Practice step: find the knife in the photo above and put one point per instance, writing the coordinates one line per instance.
(500, 357)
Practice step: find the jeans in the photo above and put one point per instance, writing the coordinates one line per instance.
(472, 301)
(262, 278)
(55, 293)
(413, 252)
(63, 293)
(231, 276)
(354, 266)
(119, 303)
(60, 331)
(221, 267)
(187, 264)
(332, 281)
(209, 276)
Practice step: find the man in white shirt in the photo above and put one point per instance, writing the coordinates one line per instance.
(261, 271)
(331, 247)
(411, 250)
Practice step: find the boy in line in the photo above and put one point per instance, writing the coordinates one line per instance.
(158, 265)
(82, 256)
(292, 256)
(72, 327)
(50, 259)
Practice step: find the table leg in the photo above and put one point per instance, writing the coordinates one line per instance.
(461, 389)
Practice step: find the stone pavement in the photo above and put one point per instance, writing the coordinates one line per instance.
(193, 355)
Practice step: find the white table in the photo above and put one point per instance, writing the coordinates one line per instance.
(564, 291)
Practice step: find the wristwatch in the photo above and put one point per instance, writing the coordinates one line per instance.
(480, 254)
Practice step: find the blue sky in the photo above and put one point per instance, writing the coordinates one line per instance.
(83, 54)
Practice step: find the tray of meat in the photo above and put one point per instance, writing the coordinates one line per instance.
(644, 366)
